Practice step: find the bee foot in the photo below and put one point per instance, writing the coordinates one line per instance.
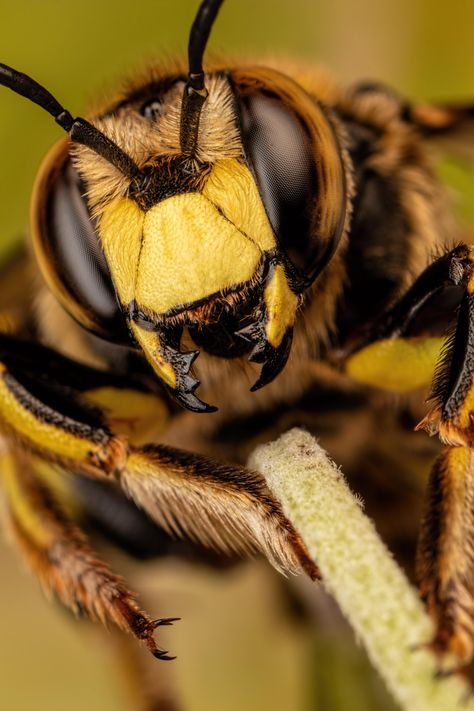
(162, 655)
(164, 621)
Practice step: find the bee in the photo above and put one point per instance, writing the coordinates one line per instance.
(217, 227)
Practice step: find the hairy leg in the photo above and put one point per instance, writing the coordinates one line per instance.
(47, 416)
(58, 553)
(404, 348)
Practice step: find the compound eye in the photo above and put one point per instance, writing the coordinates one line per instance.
(297, 163)
(280, 152)
(68, 250)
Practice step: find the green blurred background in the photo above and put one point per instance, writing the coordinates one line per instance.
(248, 658)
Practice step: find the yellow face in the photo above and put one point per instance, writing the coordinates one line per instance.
(192, 248)
(219, 240)
(189, 246)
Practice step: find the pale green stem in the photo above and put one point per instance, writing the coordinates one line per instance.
(358, 570)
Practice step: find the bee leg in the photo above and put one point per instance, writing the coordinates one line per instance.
(445, 558)
(446, 547)
(225, 507)
(400, 351)
(44, 405)
(58, 553)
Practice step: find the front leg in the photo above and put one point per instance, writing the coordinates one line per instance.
(446, 547)
(393, 352)
(44, 408)
(46, 413)
(445, 556)
(58, 553)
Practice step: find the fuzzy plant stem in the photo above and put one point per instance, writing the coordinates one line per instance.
(373, 593)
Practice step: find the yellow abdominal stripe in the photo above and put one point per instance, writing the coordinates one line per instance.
(396, 364)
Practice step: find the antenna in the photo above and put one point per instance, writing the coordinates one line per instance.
(80, 130)
(195, 92)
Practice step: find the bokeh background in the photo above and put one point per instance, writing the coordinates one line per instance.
(237, 648)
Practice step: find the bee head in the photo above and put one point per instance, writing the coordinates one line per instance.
(204, 202)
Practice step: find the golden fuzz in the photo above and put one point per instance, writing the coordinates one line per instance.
(144, 140)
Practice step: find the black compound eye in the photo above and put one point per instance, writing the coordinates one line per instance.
(151, 109)
(69, 253)
(305, 205)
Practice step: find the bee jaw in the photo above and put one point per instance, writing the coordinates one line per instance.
(270, 307)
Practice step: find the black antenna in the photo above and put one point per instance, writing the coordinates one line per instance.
(80, 130)
(195, 92)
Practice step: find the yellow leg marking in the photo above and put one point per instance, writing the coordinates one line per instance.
(465, 418)
(52, 439)
(457, 469)
(58, 553)
(445, 560)
(23, 509)
(396, 364)
(281, 306)
(456, 430)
